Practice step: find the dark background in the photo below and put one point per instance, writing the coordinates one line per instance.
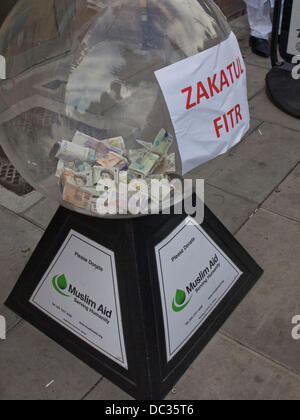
(5, 7)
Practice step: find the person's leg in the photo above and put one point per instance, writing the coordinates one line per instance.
(259, 17)
(260, 20)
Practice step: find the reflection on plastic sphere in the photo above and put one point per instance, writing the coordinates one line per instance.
(81, 90)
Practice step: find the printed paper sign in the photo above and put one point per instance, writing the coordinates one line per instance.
(294, 35)
(207, 99)
(194, 276)
(80, 292)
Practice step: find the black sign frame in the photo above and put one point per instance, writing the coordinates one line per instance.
(150, 376)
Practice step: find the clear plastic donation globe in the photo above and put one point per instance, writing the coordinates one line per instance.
(81, 108)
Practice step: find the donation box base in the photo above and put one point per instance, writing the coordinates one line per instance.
(283, 90)
(135, 299)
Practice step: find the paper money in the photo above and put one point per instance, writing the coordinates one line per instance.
(131, 175)
(78, 179)
(146, 164)
(116, 143)
(171, 166)
(92, 190)
(109, 159)
(162, 143)
(146, 145)
(61, 166)
(156, 177)
(135, 154)
(124, 165)
(76, 196)
(72, 152)
(101, 147)
(161, 167)
(103, 173)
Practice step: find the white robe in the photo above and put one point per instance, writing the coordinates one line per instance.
(259, 17)
(258, 4)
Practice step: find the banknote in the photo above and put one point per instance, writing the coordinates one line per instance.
(76, 166)
(171, 166)
(103, 173)
(124, 165)
(62, 165)
(101, 147)
(92, 190)
(162, 143)
(82, 166)
(146, 164)
(135, 154)
(145, 144)
(76, 196)
(72, 152)
(161, 167)
(109, 159)
(116, 144)
(131, 175)
(157, 177)
(78, 179)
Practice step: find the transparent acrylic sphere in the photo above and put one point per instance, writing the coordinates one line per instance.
(88, 66)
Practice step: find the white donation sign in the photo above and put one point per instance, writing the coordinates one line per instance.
(80, 292)
(195, 275)
(207, 99)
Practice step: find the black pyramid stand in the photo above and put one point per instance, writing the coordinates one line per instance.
(149, 374)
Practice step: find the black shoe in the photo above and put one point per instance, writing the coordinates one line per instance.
(260, 46)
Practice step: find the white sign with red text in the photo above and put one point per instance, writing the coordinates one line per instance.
(207, 99)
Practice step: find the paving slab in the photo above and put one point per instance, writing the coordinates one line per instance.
(18, 240)
(255, 80)
(11, 318)
(107, 391)
(233, 211)
(262, 108)
(243, 35)
(224, 370)
(258, 61)
(29, 361)
(263, 321)
(42, 212)
(257, 166)
(286, 198)
(208, 169)
(228, 371)
(240, 22)
(16, 203)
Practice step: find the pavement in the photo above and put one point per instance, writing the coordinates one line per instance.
(255, 191)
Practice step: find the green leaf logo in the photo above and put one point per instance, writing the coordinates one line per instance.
(179, 302)
(60, 283)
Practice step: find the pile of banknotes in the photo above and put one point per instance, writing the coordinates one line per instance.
(86, 162)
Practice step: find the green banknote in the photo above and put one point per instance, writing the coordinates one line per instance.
(162, 143)
(146, 164)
